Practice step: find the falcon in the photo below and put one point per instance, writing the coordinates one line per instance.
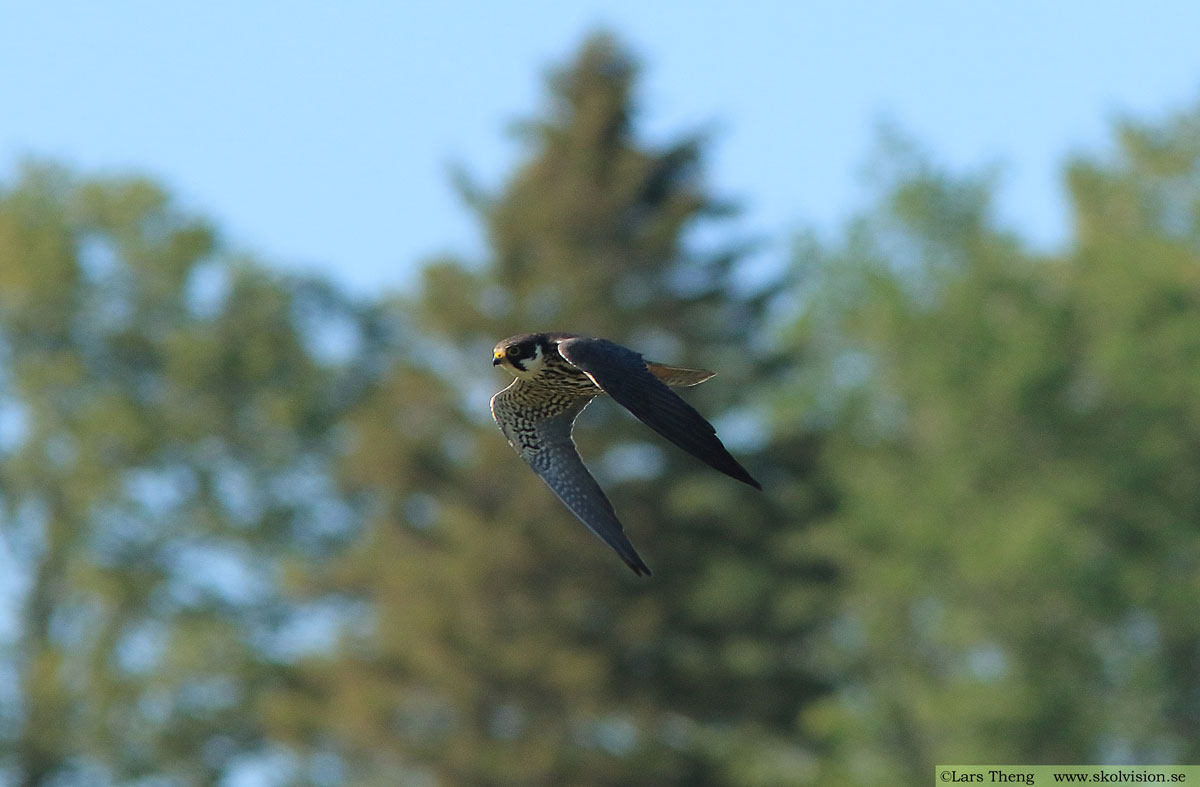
(558, 374)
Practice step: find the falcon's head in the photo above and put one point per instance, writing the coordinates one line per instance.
(522, 355)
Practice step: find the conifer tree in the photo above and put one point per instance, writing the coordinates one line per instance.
(1013, 450)
(507, 644)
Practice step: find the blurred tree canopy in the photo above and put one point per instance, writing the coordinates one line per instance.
(508, 647)
(253, 528)
(1014, 441)
(166, 451)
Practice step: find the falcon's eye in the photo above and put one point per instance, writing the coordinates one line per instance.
(514, 351)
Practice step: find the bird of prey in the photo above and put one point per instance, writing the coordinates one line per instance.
(558, 374)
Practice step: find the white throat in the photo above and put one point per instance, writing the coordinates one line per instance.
(532, 365)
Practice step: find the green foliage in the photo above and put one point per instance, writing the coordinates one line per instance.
(166, 426)
(1013, 444)
(509, 645)
(247, 522)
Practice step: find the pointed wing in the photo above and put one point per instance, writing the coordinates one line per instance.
(543, 439)
(622, 374)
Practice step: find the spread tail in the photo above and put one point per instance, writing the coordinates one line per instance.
(678, 376)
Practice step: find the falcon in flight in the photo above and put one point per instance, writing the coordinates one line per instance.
(558, 374)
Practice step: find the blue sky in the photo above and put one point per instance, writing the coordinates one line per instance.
(318, 135)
